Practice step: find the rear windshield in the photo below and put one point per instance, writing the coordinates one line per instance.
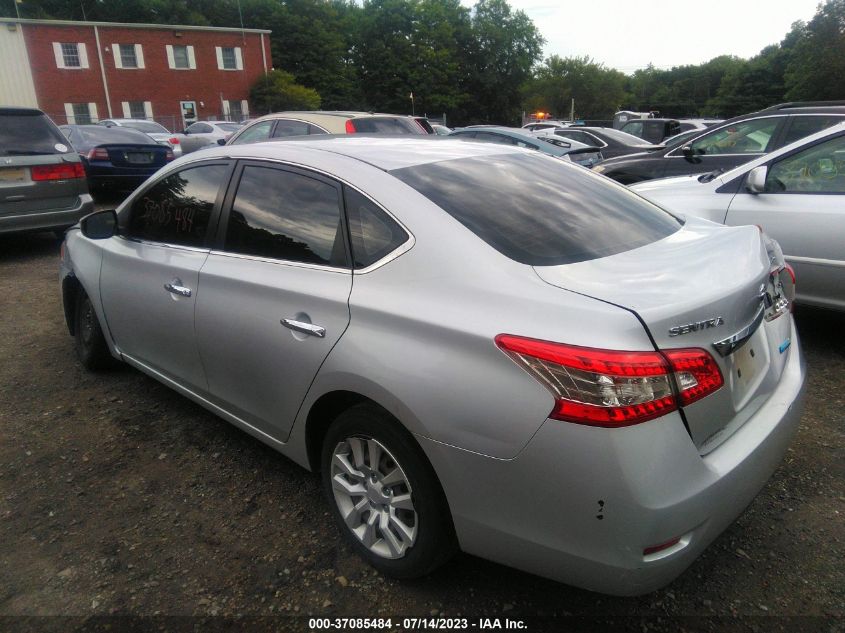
(146, 126)
(98, 135)
(538, 210)
(25, 133)
(623, 137)
(229, 127)
(386, 125)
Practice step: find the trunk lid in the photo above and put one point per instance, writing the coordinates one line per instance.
(21, 194)
(695, 288)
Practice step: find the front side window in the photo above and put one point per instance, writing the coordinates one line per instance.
(177, 209)
(70, 54)
(255, 133)
(745, 137)
(180, 57)
(635, 128)
(285, 215)
(289, 127)
(817, 169)
(569, 215)
(128, 59)
(229, 59)
(374, 233)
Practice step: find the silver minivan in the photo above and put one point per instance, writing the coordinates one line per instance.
(42, 179)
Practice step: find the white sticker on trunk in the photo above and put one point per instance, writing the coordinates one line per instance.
(60, 148)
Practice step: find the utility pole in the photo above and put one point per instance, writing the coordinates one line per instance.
(412, 103)
(572, 111)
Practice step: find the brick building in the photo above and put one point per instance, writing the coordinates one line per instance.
(80, 72)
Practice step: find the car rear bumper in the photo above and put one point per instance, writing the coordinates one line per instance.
(47, 219)
(580, 504)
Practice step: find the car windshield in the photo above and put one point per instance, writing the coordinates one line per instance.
(569, 215)
(96, 135)
(24, 132)
(146, 126)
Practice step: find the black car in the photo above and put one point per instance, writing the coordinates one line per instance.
(611, 142)
(653, 130)
(725, 146)
(116, 158)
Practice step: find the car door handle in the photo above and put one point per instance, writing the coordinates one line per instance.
(306, 328)
(182, 291)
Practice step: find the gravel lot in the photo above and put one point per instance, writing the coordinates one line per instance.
(118, 496)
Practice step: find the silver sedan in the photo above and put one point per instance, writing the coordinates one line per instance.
(560, 377)
(796, 194)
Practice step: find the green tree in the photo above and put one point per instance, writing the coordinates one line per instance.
(816, 69)
(598, 91)
(279, 91)
(506, 45)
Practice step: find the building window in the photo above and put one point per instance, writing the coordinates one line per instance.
(229, 60)
(236, 113)
(81, 114)
(70, 56)
(137, 110)
(128, 59)
(180, 57)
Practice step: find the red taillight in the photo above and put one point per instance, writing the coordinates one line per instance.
(169, 155)
(791, 272)
(696, 373)
(63, 171)
(174, 140)
(98, 153)
(613, 388)
(350, 127)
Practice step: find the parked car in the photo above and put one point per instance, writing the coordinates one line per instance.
(116, 159)
(545, 125)
(732, 143)
(42, 180)
(540, 375)
(611, 142)
(283, 124)
(441, 130)
(201, 134)
(569, 150)
(797, 194)
(157, 132)
(652, 130)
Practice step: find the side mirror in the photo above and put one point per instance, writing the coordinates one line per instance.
(755, 182)
(221, 141)
(99, 225)
(686, 150)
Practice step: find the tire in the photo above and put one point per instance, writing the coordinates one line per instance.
(399, 522)
(91, 347)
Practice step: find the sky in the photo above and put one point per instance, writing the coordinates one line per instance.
(630, 34)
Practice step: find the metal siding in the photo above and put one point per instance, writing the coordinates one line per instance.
(17, 87)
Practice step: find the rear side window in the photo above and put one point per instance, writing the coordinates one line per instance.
(285, 215)
(287, 127)
(27, 133)
(801, 126)
(177, 209)
(386, 125)
(374, 233)
(568, 215)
